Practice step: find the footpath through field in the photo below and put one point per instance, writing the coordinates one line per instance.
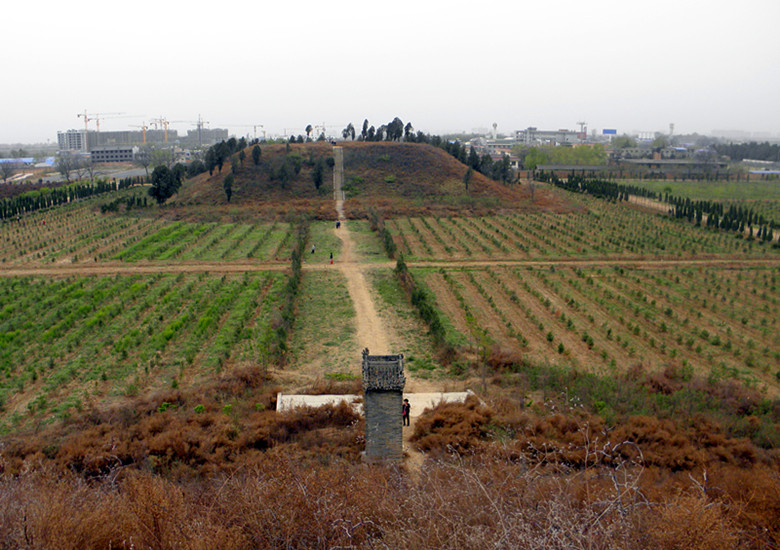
(371, 333)
(349, 264)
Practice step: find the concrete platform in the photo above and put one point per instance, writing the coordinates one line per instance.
(418, 401)
(288, 402)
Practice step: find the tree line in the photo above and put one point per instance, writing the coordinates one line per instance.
(732, 217)
(599, 188)
(738, 218)
(753, 150)
(46, 197)
(532, 157)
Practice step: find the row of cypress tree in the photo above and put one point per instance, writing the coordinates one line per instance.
(46, 198)
(729, 217)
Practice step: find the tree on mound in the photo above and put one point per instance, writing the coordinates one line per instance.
(227, 185)
(285, 169)
(165, 182)
(318, 173)
(348, 132)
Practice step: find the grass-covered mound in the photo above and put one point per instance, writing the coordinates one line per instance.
(403, 178)
(400, 178)
(280, 183)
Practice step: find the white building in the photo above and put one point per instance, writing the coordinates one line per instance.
(72, 140)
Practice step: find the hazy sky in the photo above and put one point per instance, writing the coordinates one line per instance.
(443, 66)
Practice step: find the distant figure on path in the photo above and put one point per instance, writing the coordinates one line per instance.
(406, 408)
(338, 224)
(312, 249)
(331, 257)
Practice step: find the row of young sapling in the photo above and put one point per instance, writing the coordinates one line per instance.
(610, 231)
(674, 310)
(13, 208)
(717, 214)
(619, 317)
(209, 241)
(68, 232)
(607, 228)
(115, 328)
(79, 233)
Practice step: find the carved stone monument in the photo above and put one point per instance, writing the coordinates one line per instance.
(383, 383)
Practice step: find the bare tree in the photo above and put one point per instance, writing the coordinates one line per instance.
(90, 169)
(66, 164)
(83, 168)
(143, 159)
(7, 169)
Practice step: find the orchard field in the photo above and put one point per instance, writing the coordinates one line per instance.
(600, 230)
(760, 196)
(604, 288)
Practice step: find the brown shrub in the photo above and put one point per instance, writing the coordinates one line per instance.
(459, 426)
(690, 523)
(752, 496)
(280, 502)
(42, 510)
(665, 382)
(240, 380)
(501, 359)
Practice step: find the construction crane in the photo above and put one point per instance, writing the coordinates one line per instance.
(253, 126)
(162, 122)
(143, 128)
(96, 117)
(198, 124)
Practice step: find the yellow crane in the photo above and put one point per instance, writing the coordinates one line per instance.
(162, 121)
(143, 128)
(96, 117)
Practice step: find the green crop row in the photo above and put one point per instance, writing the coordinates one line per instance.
(64, 340)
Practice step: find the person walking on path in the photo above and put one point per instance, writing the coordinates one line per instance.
(331, 257)
(312, 248)
(406, 408)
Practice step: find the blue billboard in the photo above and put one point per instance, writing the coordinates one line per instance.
(609, 132)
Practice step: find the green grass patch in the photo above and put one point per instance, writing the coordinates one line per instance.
(367, 244)
(324, 241)
(711, 190)
(324, 330)
(341, 376)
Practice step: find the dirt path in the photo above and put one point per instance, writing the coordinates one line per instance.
(242, 266)
(371, 333)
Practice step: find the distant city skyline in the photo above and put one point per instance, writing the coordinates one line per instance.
(233, 130)
(443, 66)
